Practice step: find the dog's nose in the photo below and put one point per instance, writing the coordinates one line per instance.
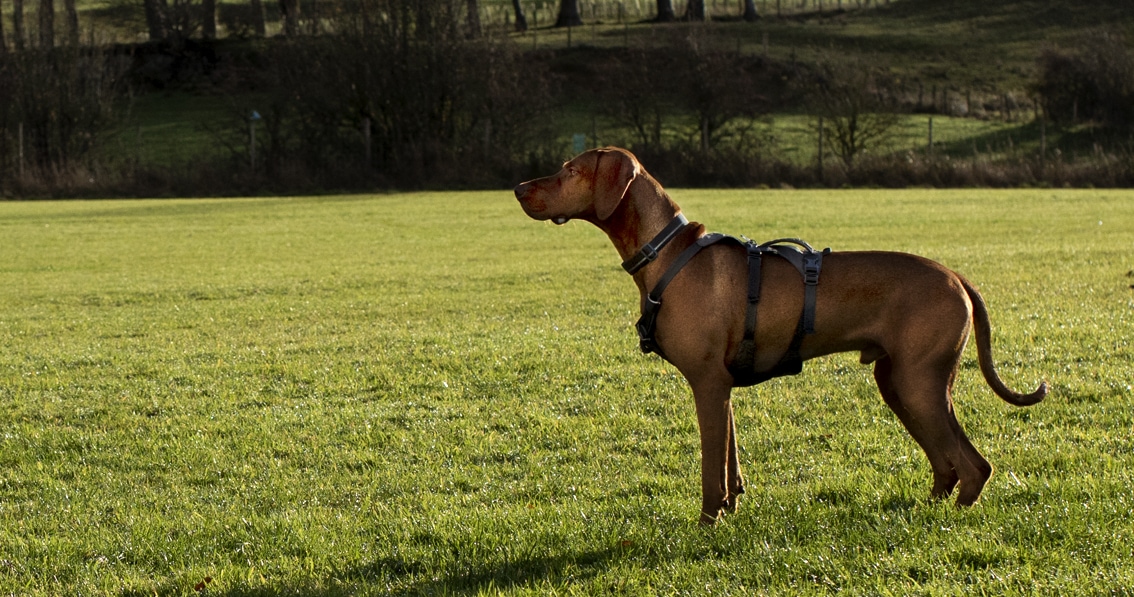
(521, 190)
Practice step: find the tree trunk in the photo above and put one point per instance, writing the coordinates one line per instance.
(521, 21)
(290, 11)
(18, 24)
(46, 24)
(750, 13)
(695, 10)
(155, 19)
(72, 15)
(258, 18)
(569, 14)
(209, 19)
(665, 12)
(472, 19)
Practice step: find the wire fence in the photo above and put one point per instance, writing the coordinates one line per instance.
(542, 13)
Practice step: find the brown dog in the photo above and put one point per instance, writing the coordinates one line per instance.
(908, 315)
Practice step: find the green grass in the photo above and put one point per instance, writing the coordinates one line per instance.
(432, 394)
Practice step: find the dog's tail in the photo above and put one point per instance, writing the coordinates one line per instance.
(984, 354)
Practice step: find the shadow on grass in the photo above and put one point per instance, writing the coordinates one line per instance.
(528, 572)
(394, 576)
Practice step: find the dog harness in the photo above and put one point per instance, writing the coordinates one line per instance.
(743, 368)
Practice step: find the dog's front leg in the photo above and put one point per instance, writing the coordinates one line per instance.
(714, 422)
(735, 480)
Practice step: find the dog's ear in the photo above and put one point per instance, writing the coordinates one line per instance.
(614, 171)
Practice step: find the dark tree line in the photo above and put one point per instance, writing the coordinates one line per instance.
(182, 19)
(399, 92)
(43, 36)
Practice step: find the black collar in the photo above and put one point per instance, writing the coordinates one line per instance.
(649, 251)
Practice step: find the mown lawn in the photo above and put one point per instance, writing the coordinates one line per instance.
(432, 394)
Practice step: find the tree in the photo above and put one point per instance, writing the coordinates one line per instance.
(850, 98)
(18, 24)
(46, 24)
(155, 11)
(1095, 81)
(521, 21)
(569, 14)
(472, 19)
(665, 12)
(72, 15)
(290, 11)
(209, 19)
(258, 19)
(695, 10)
(750, 13)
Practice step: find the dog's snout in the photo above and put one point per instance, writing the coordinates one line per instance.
(521, 190)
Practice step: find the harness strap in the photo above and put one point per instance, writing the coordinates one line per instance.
(812, 262)
(649, 251)
(809, 263)
(746, 352)
(647, 323)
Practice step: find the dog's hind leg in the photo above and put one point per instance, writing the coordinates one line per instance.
(920, 396)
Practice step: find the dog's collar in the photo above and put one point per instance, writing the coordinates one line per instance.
(649, 251)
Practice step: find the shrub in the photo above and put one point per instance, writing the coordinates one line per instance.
(1095, 82)
(61, 100)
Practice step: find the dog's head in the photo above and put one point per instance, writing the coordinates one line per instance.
(590, 187)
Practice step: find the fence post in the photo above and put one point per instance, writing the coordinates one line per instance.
(820, 149)
(252, 138)
(366, 139)
(930, 136)
(1043, 139)
(20, 150)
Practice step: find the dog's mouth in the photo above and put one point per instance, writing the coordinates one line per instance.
(560, 220)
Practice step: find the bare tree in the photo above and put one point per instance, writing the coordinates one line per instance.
(258, 18)
(521, 21)
(72, 15)
(155, 18)
(851, 98)
(18, 24)
(209, 19)
(46, 24)
(695, 10)
(472, 18)
(750, 13)
(290, 11)
(636, 92)
(665, 12)
(568, 14)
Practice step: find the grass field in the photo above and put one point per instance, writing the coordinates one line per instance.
(432, 394)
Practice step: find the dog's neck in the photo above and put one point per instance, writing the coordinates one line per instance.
(645, 210)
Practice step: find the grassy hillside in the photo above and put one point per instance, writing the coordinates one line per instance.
(375, 395)
(971, 64)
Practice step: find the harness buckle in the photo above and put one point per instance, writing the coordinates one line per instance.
(811, 269)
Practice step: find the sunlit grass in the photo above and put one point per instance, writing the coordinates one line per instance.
(430, 393)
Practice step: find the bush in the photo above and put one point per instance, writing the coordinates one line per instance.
(438, 109)
(1093, 83)
(61, 100)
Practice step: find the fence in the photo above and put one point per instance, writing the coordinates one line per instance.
(541, 13)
